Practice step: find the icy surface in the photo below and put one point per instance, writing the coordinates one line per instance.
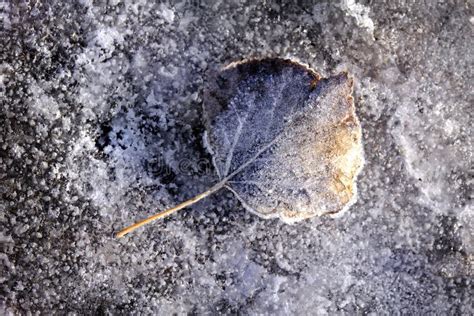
(100, 124)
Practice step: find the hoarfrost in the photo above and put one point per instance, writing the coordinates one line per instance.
(286, 142)
(88, 110)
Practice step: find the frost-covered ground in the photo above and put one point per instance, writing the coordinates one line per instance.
(100, 125)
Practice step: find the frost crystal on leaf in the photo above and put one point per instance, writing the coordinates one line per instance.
(286, 142)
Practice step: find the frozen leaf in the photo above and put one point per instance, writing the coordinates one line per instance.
(286, 142)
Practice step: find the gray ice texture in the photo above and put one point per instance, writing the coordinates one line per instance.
(101, 124)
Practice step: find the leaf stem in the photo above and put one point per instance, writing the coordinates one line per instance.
(170, 211)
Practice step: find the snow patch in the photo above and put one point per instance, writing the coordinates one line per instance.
(360, 13)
